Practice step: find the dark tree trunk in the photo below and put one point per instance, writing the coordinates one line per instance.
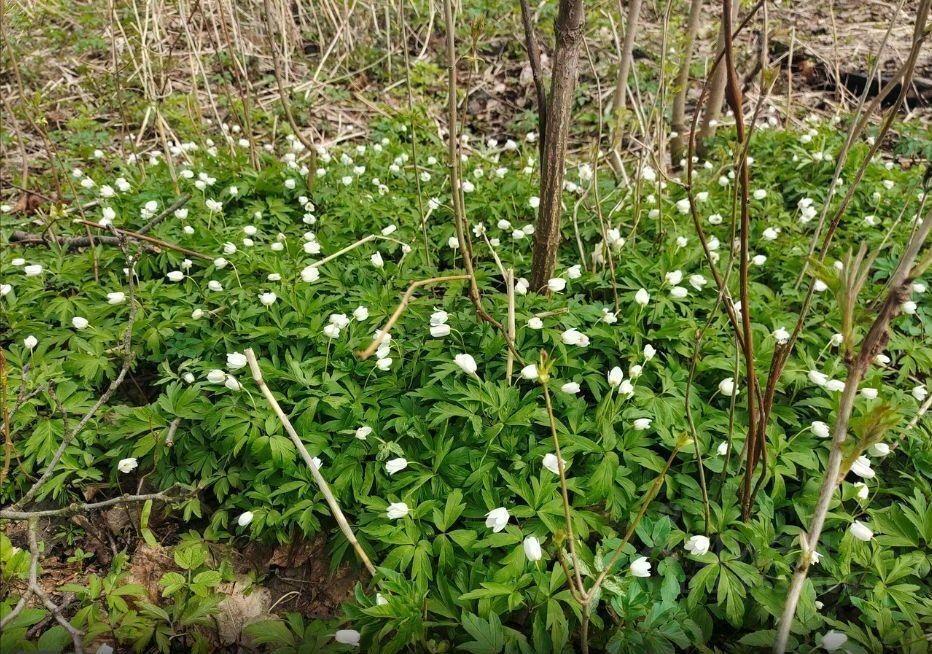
(569, 34)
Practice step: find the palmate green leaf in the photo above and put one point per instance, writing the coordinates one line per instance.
(488, 636)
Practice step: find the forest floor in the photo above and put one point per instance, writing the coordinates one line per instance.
(77, 79)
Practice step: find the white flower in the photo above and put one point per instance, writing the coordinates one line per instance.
(229, 248)
(397, 510)
(245, 518)
(640, 567)
(395, 465)
(310, 274)
(216, 376)
(869, 393)
(438, 317)
(673, 277)
(360, 313)
(116, 297)
(467, 186)
(343, 636)
(376, 260)
(649, 352)
(820, 286)
(683, 205)
(556, 284)
(127, 465)
(267, 299)
(609, 317)
(231, 383)
(681, 241)
(467, 363)
(820, 429)
(835, 385)
(781, 335)
(918, 287)
(697, 545)
(104, 649)
(642, 297)
(818, 378)
(863, 490)
(642, 423)
(833, 640)
(384, 363)
(759, 194)
(635, 371)
(722, 448)
(289, 183)
(727, 387)
(697, 281)
(570, 387)
(214, 286)
(213, 205)
(440, 331)
(175, 276)
(530, 371)
(615, 377)
(497, 519)
(79, 323)
(862, 468)
(5, 289)
(532, 549)
(574, 272)
(879, 449)
(909, 307)
(32, 270)
(521, 286)
(188, 377)
(331, 330)
(30, 342)
(881, 359)
(534, 202)
(236, 360)
(920, 393)
(861, 531)
(678, 292)
(363, 432)
(574, 337)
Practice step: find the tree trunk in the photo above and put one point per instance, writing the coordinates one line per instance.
(678, 144)
(569, 35)
(713, 106)
(621, 83)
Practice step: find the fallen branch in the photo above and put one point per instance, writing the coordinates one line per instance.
(76, 242)
(315, 472)
(169, 210)
(405, 300)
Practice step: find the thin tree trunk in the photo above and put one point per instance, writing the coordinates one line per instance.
(677, 145)
(619, 101)
(533, 55)
(873, 343)
(569, 33)
(713, 108)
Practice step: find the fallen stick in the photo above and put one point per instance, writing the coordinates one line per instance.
(27, 238)
(148, 239)
(318, 478)
(405, 300)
